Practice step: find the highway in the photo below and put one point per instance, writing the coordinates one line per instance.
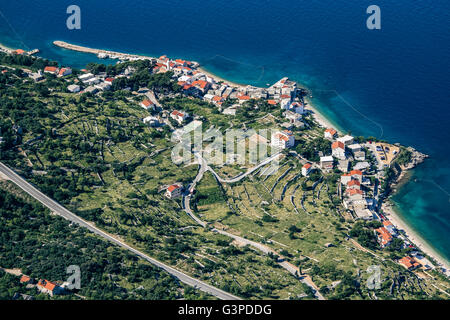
(66, 214)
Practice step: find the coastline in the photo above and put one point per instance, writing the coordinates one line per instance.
(395, 217)
(321, 119)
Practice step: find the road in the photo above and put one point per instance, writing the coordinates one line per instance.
(249, 171)
(259, 246)
(66, 214)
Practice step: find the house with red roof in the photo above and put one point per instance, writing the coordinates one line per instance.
(19, 51)
(338, 150)
(64, 72)
(306, 169)
(147, 105)
(409, 263)
(354, 194)
(49, 287)
(330, 133)
(179, 116)
(52, 70)
(383, 236)
(355, 184)
(282, 139)
(174, 191)
(25, 279)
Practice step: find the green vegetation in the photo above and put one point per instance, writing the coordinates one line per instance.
(93, 154)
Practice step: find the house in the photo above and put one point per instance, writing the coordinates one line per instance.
(179, 116)
(355, 184)
(329, 133)
(390, 227)
(326, 162)
(283, 139)
(74, 88)
(354, 194)
(383, 236)
(174, 191)
(52, 70)
(19, 51)
(51, 288)
(109, 80)
(354, 174)
(152, 121)
(306, 169)
(346, 140)
(355, 147)
(426, 264)
(343, 165)
(37, 76)
(297, 107)
(243, 98)
(147, 105)
(364, 214)
(292, 116)
(409, 263)
(359, 155)
(201, 85)
(361, 166)
(25, 279)
(64, 72)
(338, 150)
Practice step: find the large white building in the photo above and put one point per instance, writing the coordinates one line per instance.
(283, 139)
(338, 150)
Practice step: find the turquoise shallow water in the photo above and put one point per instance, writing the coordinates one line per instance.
(391, 83)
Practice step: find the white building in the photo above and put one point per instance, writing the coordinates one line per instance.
(326, 162)
(338, 150)
(355, 147)
(74, 88)
(346, 140)
(330, 133)
(306, 169)
(174, 191)
(283, 139)
(152, 121)
(147, 105)
(179, 116)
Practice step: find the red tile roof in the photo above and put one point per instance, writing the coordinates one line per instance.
(409, 262)
(337, 144)
(355, 172)
(353, 183)
(331, 131)
(50, 69)
(47, 285)
(352, 191)
(24, 279)
(384, 234)
(200, 83)
(307, 165)
(173, 187)
(147, 103)
(272, 102)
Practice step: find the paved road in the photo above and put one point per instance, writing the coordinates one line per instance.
(60, 210)
(259, 246)
(249, 171)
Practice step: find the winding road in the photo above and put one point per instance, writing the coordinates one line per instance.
(55, 207)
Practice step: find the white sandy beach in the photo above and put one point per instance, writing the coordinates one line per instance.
(417, 240)
(218, 79)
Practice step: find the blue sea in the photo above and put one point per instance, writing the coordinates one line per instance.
(391, 83)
